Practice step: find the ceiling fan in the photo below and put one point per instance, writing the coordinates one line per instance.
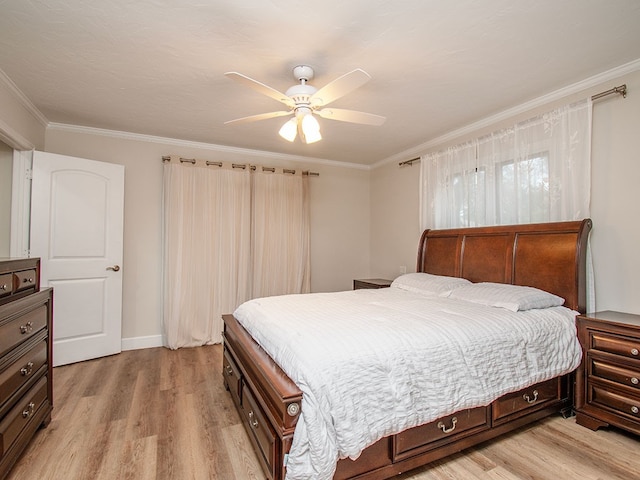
(304, 100)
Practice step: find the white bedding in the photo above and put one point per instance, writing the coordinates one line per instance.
(371, 363)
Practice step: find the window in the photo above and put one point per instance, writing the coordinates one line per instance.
(522, 190)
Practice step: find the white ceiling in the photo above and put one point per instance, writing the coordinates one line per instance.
(156, 67)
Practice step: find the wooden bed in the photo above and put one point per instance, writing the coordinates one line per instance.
(550, 256)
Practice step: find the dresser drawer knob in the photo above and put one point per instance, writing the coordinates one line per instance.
(27, 280)
(634, 380)
(634, 409)
(4, 287)
(228, 370)
(528, 399)
(29, 411)
(443, 427)
(252, 420)
(27, 328)
(634, 351)
(25, 371)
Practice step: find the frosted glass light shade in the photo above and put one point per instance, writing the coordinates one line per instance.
(289, 129)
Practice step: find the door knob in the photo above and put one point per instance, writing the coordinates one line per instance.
(115, 268)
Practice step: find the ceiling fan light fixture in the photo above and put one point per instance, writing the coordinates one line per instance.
(289, 129)
(311, 128)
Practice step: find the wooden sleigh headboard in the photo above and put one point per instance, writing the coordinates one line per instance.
(548, 256)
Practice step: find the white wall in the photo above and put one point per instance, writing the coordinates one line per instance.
(339, 216)
(615, 198)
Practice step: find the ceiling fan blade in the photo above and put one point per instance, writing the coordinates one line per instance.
(261, 88)
(350, 116)
(261, 116)
(340, 87)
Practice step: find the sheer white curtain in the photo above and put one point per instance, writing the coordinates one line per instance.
(537, 171)
(229, 234)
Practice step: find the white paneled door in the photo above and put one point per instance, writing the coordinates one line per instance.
(76, 229)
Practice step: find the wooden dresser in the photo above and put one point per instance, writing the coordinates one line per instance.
(608, 381)
(26, 392)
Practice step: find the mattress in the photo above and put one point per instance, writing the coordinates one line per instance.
(371, 363)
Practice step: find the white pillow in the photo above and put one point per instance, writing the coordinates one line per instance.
(428, 283)
(511, 297)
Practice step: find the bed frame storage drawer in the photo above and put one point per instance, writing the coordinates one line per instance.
(524, 401)
(260, 430)
(440, 432)
(232, 376)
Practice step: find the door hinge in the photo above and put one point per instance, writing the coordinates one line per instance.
(28, 173)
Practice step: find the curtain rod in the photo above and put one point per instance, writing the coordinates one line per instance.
(243, 166)
(622, 90)
(409, 162)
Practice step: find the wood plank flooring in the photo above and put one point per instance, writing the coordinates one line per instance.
(158, 414)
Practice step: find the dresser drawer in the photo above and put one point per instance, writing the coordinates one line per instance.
(20, 371)
(231, 374)
(21, 328)
(20, 415)
(440, 432)
(627, 405)
(531, 398)
(6, 284)
(615, 372)
(261, 431)
(24, 279)
(616, 344)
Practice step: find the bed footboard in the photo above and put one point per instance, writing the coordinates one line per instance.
(269, 404)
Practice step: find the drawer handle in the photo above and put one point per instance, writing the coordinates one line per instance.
(228, 370)
(3, 286)
(528, 399)
(29, 411)
(634, 351)
(444, 429)
(634, 380)
(252, 420)
(28, 328)
(25, 371)
(634, 409)
(27, 280)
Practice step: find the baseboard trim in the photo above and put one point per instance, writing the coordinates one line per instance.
(137, 343)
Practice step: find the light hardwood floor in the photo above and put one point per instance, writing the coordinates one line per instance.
(158, 414)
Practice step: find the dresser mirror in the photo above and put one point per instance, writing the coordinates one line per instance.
(6, 177)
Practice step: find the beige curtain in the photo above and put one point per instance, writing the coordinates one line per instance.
(280, 240)
(230, 234)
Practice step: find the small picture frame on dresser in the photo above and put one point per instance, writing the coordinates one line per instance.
(371, 283)
(608, 379)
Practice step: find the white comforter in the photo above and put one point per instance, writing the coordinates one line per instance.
(371, 363)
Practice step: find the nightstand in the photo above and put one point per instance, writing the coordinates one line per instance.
(371, 283)
(608, 380)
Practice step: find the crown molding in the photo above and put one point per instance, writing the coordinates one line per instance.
(23, 99)
(512, 112)
(201, 145)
